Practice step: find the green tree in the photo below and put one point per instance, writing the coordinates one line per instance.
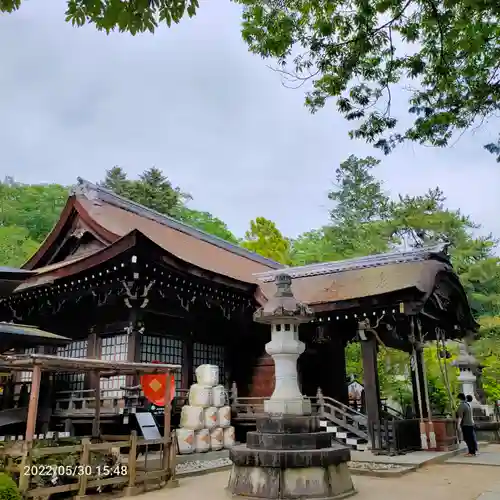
(133, 16)
(445, 54)
(207, 222)
(16, 246)
(35, 207)
(266, 239)
(359, 218)
(152, 189)
(487, 350)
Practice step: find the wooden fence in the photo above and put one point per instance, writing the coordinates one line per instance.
(83, 477)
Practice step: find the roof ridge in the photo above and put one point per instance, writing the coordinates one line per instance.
(95, 192)
(376, 260)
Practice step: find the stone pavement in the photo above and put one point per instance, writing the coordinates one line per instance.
(416, 458)
(488, 455)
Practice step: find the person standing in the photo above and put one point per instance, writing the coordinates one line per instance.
(464, 416)
(469, 400)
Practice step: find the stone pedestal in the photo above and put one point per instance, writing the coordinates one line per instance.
(290, 457)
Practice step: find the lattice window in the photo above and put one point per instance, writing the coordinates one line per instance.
(164, 349)
(212, 355)
(72, 381)
(27, 376)
(114, 348)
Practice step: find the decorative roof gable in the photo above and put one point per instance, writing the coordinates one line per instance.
(96, 194)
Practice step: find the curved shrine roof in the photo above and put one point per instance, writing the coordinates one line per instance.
(112, 217)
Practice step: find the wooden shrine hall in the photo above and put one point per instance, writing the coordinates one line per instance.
(126, 283)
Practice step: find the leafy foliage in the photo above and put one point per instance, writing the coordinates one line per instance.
(265, 239)
(152, 190)
(444, 53)
(8, 488)
(35, 207)
(206, 222)
(155, 191)
(133, 16)
(16, 247)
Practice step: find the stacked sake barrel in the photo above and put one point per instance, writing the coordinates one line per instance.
(206, 421)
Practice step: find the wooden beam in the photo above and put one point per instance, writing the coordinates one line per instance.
(24, 362)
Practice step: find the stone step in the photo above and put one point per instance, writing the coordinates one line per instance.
(344, 436)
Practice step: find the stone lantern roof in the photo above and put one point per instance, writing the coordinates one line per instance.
(465, 360)
(283, 306)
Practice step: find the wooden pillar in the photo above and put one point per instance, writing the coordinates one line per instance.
(330, 367)
(371, 383)
(166, 424)
(93, 352)
(419, 393)
(134, 343)
(187, 363)
(46, 393)
(96, 423)
(33, 404)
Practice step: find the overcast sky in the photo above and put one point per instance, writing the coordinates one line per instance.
(193, 102)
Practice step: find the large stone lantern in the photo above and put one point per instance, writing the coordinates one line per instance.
(288, 456)
(284, 314)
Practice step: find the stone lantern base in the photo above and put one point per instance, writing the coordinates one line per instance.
(289, 457)
(299, 406)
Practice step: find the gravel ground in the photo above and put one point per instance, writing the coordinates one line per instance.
(375, 466)
(201, 465)
(204, 465)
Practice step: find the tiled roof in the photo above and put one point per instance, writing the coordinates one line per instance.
(383, 259)
(121, 216)
(356, 283)
(364, 276)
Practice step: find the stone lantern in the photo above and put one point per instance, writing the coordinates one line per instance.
(284, 314)
(468, 367)
(288, 456)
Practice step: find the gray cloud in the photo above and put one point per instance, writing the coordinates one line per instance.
(194, 102)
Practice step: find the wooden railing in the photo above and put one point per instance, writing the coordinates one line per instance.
(245, 411)
(26, 462)
(342, 415)
(393, 436)
(83, 402)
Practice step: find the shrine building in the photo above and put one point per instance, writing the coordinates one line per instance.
(127, 283)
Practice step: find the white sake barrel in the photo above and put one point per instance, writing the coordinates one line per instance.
(211, 417)
(219, 396)
(224, 415)
(202, 440)
(200, 395)
(185, 441)
(207, 375)
(228, 437)
(192, 417)
(217, 439)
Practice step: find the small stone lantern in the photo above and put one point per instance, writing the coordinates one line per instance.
(468, 366)
(284, 314)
